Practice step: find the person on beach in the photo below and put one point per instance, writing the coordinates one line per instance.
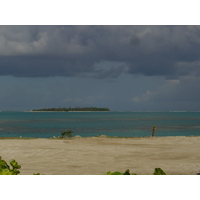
(153, 131)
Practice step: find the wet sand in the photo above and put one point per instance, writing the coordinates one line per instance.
(97, 155)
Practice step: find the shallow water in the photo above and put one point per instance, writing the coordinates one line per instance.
(86, 124)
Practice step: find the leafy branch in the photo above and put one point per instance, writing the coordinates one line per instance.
(5, 169)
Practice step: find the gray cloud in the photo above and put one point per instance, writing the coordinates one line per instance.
(134, 40)
(44, 51)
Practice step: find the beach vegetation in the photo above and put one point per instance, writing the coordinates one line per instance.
(127, 172)
(13, 169)
(158, 171)
(67, 134)
(5, 169)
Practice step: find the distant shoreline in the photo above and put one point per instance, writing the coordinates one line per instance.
(76, 109)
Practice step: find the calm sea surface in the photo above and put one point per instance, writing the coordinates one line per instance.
(86, 124)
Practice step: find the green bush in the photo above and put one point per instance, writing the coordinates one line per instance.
(158, 171)
(67, 133)
(5, 169)
(127, 172)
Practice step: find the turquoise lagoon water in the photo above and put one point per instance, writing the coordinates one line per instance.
(87, 124)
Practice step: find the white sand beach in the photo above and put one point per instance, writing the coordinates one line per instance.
(97, 155)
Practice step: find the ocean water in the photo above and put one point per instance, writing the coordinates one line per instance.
(87, 124)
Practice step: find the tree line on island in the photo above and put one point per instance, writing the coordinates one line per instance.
(72, 109)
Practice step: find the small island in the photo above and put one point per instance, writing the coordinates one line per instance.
(76, 109)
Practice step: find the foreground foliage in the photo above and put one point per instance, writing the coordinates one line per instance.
(158, 171)
(5, 169)
(127, 172)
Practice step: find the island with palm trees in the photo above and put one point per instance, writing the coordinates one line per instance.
(76, 109)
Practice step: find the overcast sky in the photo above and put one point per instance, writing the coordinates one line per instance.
(124, 68)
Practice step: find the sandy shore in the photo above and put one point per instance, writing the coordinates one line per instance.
(96, 156)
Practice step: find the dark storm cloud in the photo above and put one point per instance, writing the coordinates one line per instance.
(43, 51)
(39, 66)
